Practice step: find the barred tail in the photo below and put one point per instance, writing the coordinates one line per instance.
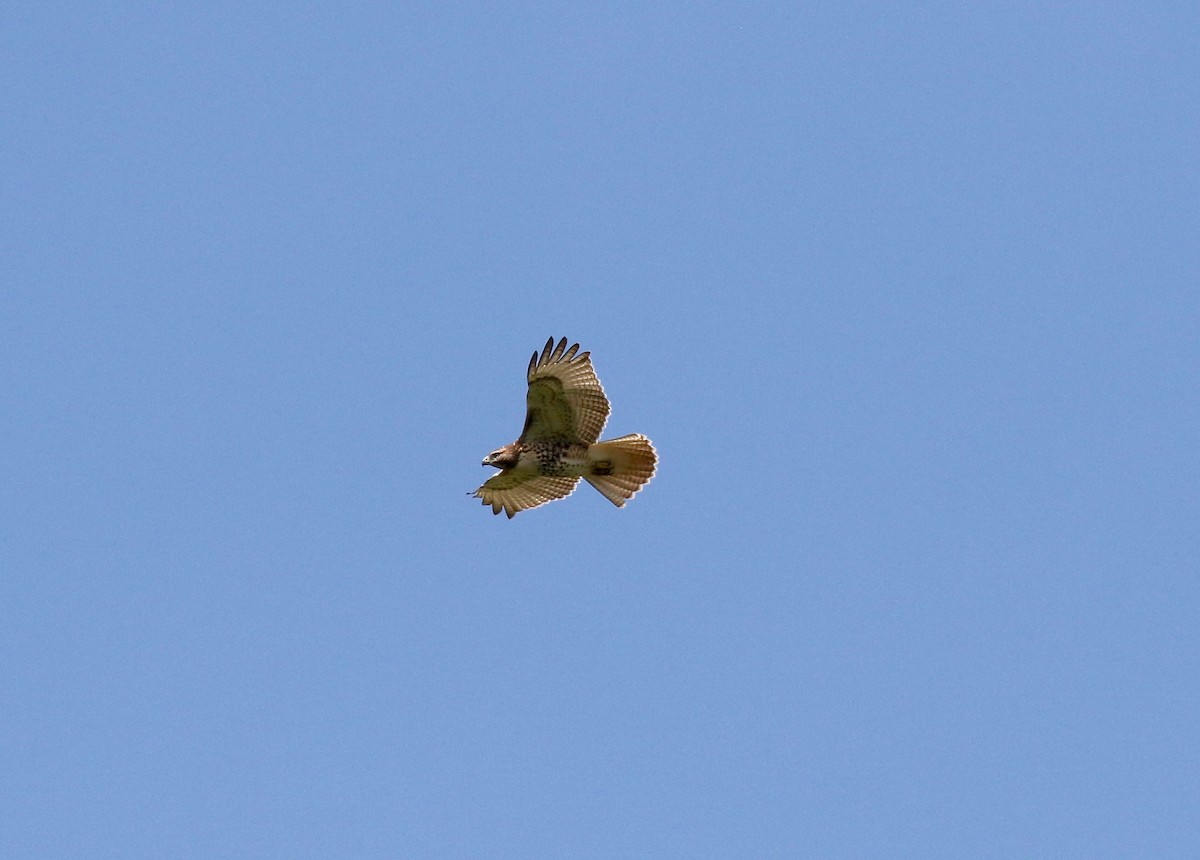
(620, 467)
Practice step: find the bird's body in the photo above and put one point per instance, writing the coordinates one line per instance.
(548, 457)
(565, 411)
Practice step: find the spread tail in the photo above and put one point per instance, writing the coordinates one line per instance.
(620, 467)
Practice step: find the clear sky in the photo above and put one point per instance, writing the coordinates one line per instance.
(906, 295)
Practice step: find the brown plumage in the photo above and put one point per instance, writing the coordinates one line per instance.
(565, 412)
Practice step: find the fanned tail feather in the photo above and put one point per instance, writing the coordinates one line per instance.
(621, 466)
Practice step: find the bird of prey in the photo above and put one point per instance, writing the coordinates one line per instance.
(565, 412)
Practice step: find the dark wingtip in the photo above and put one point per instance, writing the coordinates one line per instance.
(553, 353)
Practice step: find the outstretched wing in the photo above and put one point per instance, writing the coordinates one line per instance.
(518, 491)
(565, 399)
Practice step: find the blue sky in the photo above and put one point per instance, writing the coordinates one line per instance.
(907, 297)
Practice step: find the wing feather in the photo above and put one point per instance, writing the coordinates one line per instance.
(514, 491)
(565, 399)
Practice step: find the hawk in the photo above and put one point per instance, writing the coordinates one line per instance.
(565, 410)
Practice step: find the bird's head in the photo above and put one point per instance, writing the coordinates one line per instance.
(503, 458)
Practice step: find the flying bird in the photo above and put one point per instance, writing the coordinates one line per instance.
(565, 410)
